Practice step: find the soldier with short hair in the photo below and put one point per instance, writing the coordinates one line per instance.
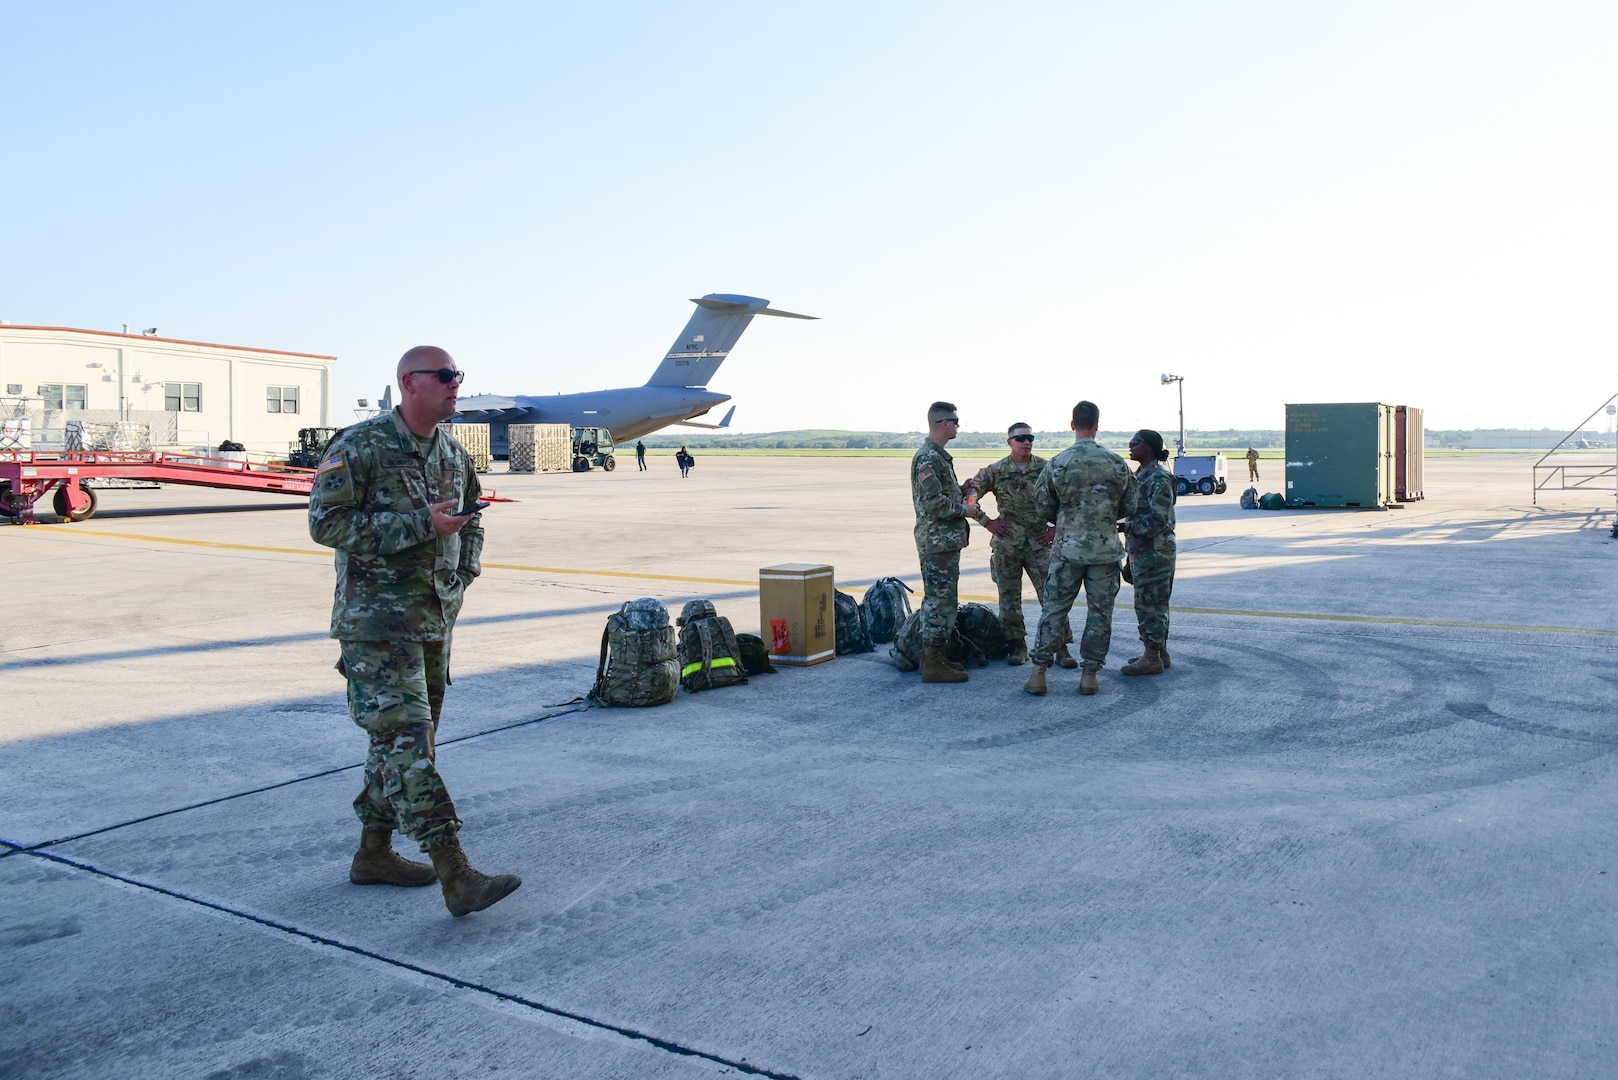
(1085, 489)
(1022, 537)
(395, 496)
(941, 532)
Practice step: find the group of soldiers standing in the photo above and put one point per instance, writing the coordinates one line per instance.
(1059, 522)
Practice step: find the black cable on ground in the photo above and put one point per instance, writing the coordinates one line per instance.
(450, 980)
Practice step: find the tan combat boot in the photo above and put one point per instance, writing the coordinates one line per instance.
(376, 863)
(466, 890)
(934, 668)
(1064, 657)
(1163, 652)
(1149, 663)
(1087, 683)
(1036, 681)
(1019, 652)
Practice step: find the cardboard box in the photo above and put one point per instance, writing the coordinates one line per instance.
(797, 618)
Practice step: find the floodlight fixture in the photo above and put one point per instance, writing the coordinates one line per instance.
(1179, 379)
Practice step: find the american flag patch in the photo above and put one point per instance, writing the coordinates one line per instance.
(925, 474)
(334, 462)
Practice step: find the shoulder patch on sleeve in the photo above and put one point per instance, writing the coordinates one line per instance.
(333, 484)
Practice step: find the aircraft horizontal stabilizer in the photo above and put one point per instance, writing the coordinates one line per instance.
(786, 314)
(725, 423)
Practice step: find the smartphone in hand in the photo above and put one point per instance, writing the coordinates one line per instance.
(472, 509)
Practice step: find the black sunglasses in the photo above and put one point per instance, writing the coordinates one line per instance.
(1134, 442)
(1022, 438)
(446, 375)
(949, 420)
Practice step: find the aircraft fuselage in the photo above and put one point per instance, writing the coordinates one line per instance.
(630, 412)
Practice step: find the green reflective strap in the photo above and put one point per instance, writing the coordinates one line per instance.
(722, 661)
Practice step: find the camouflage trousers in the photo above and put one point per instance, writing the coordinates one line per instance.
(1007, 564)
(1100, 583)
(940, 582)
(396, 692)
(1154, 580)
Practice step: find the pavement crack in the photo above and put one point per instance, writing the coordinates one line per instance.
(666, 1045)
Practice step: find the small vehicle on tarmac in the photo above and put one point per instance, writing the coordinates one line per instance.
(593, 446)
(1205, 474)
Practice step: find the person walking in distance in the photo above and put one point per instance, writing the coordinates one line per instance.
(1022, 538)
(397, 498)
(941, 532)
(1085, 489)
(1149, 539)
(1252, 463)
(640, 455)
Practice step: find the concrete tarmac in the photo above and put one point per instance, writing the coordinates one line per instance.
(1364, 827)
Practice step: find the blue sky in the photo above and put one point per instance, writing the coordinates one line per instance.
(1008, 207)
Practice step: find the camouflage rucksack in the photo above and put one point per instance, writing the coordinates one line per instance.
(906, 651)
(887, 605)
(851, 635)
(1249, 499)
(981, 626)
(754, 655)
(637, 657)
(709, 655)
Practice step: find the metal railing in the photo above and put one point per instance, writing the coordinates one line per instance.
(1577, 476)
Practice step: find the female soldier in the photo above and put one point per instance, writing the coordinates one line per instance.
(1149, 538)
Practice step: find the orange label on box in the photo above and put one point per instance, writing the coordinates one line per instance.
(780, 640)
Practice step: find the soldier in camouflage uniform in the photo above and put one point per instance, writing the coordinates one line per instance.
(389, 497)
(1149, 537)
(1085, 489)
(1022, 538)
(941, 533)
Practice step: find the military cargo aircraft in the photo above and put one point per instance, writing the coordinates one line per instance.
(676, 392)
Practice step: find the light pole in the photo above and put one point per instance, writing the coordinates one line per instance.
(1167, 378)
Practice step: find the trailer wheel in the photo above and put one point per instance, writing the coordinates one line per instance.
(1206, 485)
(1219, 488)
(61, 503)
(581, 464)
(1182, 486)
(609, 463)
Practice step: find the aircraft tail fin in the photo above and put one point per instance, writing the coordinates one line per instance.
(708, 338)
(386, 403)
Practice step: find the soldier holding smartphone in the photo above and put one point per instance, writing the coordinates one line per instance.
(398, 499)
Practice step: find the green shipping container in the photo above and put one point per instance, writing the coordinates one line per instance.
(1340, 455)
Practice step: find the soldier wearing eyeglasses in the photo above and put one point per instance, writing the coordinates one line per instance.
(1022, 537)
(941, 533)
(395, 496)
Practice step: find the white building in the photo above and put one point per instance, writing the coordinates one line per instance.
(193, 394)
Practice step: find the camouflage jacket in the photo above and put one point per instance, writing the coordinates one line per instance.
(940, 507)
(1086, 489)
(396, 579)
(1013, 486)
(1151, 526)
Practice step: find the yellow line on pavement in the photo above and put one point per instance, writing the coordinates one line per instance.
(1311, 616)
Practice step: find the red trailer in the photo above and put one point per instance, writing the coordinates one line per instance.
(26, 476)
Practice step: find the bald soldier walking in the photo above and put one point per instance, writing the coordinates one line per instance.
(397, 498)
(941, 533)
(1085, 489)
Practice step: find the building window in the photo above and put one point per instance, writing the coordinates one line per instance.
(182, 396)
(65, 395)
(283, 399)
